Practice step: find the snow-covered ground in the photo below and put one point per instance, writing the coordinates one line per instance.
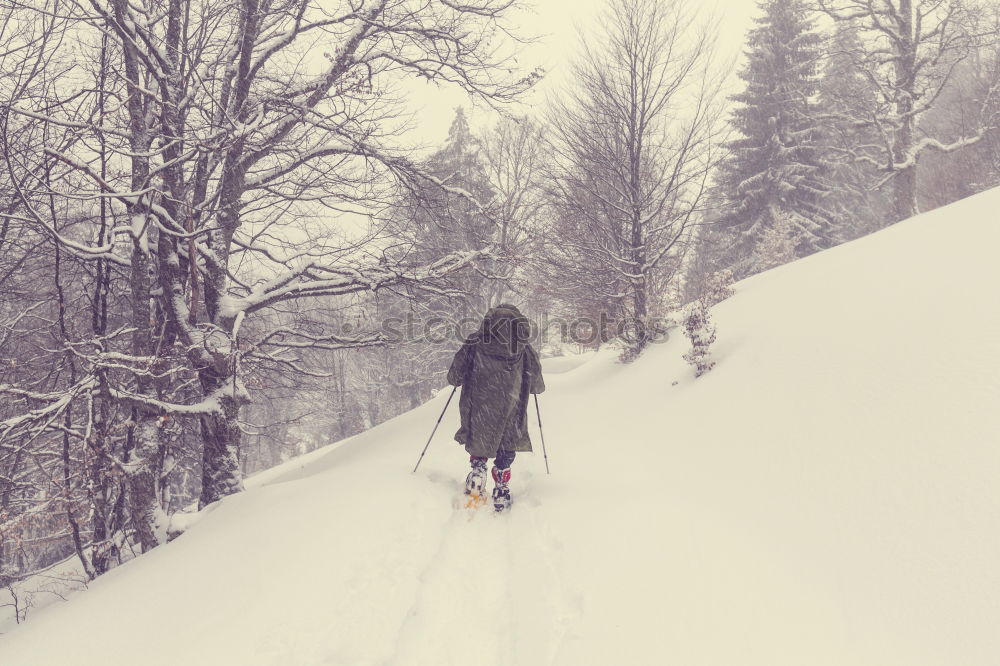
(827, 495)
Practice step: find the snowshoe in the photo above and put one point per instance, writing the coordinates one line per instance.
(501, 492)
(474, 484)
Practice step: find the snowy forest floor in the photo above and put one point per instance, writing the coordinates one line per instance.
(826, 495)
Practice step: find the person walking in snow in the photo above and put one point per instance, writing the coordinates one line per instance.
(497, 370)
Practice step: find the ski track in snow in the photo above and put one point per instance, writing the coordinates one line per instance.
(560, 605)
(470, 605)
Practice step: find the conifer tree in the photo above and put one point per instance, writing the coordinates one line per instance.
(775, 165)
(849, 108)
(446, 219)
(428, 221)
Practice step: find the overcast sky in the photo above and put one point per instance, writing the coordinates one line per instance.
(556, 22)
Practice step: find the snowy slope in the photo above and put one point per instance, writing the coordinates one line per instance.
(827, 495)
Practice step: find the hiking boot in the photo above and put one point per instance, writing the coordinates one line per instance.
(477, 477)
(501, 493)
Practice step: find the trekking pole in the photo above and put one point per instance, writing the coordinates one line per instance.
(435, 429)
(542, 433)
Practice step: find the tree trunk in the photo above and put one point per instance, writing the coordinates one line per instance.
(143, 470)
(99, 476)
(148, 517)
(905, 194)
(905, 182)
(220, 430)
(220, 433)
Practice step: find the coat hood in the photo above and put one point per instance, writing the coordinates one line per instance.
(505, 332)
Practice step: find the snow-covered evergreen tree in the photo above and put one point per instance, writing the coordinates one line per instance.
(424, 331)
(849, 105)
(776, 163)
(697, 320)
(448, 219)
(700, 331)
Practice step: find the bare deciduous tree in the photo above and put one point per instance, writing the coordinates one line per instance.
(908, 51)
(203, 162)
(634, 143)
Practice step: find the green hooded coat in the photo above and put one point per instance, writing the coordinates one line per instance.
(497, 369)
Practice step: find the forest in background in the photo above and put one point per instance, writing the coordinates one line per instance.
(219, 251)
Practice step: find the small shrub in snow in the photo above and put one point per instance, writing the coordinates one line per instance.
(629, 353)
(628, 350)
(697, 321)
(700, 330)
